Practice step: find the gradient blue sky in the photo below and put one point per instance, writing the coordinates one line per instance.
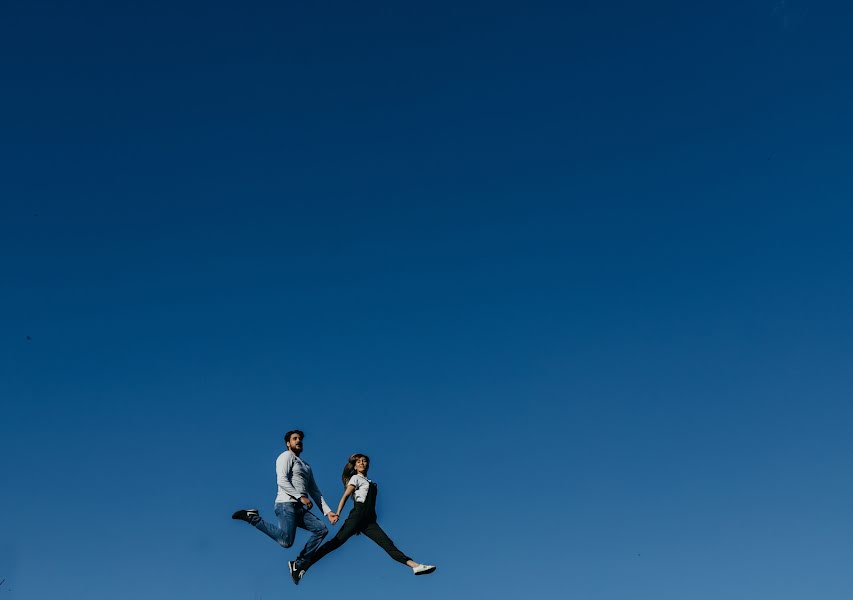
(579, 278)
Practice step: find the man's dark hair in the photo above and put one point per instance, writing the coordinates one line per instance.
(290, 433)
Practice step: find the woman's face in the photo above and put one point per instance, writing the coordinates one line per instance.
(361, 465)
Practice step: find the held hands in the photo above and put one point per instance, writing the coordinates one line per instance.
(332, 516)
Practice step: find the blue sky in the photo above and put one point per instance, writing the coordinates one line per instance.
(578, 278)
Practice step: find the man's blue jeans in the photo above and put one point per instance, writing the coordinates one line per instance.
(290, 516)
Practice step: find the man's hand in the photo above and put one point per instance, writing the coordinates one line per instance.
(333, 517)
(306, 501)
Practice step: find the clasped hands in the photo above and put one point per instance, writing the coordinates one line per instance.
(333, 517)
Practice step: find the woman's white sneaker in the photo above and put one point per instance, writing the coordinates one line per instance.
(423, 569)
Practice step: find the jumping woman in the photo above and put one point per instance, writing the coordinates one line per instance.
(362, 518)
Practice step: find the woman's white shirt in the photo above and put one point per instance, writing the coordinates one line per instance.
(361, 485)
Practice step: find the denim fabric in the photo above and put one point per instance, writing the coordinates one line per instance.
(290, 516)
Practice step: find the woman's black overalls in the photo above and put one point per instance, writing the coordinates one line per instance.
(361, 519)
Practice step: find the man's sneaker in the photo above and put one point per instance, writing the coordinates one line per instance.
(250, 515)
(295, 572)
(423, 569)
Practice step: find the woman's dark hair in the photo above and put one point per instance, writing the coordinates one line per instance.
(349, 469)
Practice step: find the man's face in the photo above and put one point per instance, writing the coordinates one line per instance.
(295, 442)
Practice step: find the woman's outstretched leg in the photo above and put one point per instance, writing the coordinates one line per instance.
(375, 533)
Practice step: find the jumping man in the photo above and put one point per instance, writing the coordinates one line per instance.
(296, 488)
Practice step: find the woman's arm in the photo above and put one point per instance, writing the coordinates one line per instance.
(347, 493)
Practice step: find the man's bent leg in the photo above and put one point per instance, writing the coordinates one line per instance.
(285, 531)
(318, 532)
